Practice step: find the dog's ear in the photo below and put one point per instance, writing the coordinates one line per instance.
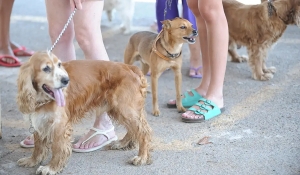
(26, 97)
(166, 24)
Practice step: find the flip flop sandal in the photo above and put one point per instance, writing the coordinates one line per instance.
(17, 62)
(207, 110)
(197, 75)
(97, 132)
(22, 51)
(23, 145)
(188, 100)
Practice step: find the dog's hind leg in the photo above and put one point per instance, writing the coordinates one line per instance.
(139, 131)
(40, 152)
(256, 61)
(145, 68)
(61, 150)
(130, 55)
(235, 57)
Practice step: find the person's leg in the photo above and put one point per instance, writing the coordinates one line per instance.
(195, 54)
(58, 12)
(5, 13)
(87, 24)
(214, 45)
(89, 37)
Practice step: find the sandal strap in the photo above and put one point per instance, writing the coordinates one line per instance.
(196, 69)
(99, 132)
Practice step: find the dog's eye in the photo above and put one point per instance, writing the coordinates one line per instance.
(59, 64)
(183, 27)
(47, 69)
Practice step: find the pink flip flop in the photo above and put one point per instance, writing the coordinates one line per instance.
(17, 62)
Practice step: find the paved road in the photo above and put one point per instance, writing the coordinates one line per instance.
(258, 133)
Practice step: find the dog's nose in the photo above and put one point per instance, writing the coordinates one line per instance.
(195, 32)
(65, 80)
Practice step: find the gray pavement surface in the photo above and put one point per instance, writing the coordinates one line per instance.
(258, 134)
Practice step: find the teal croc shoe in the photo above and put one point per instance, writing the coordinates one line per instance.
(188, 100)
(207, 110)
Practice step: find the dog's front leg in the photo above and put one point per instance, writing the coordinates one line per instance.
(235, 57)
(178, 82)
(61, 151)
(154, 81)
(257, 55)
(40, 152)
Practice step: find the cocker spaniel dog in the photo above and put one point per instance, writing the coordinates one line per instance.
(55, 95)
(258, 27)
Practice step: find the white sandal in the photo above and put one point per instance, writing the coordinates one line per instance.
(97, 132)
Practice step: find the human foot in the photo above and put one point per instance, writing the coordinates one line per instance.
(203, 110)
(188, 99)
(20, 50)
(95, 139)
(28, 142)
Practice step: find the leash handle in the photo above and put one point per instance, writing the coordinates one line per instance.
(63, 30)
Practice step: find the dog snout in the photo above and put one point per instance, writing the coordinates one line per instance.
(195, 32)
(65, 80)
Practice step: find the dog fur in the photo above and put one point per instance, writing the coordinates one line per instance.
(174, 34)
(258, 30)
(88, 86)
(125, 9)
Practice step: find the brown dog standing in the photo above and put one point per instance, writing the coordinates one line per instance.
(160, 52)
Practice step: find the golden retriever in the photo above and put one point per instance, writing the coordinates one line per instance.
(258, 27)
(160, 52)
(55, 95)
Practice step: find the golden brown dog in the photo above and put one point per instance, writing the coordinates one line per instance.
(55, 95)
(160, 52)
(258, 27)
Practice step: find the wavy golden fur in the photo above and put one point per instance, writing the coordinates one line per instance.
(258, 27)
(88, 86)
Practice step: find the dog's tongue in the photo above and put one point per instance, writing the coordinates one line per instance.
(59, 97)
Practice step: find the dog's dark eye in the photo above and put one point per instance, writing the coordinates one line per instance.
(59, 64)
(47, 69)
(183, 27)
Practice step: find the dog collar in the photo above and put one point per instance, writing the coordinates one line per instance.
(167, 58)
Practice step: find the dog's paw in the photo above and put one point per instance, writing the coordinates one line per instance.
(239, 59)
(27, 162)
(263, 77)
(126, 31)
(181, 109)
(270, 70)
(137, 160)
(156, 113)
(46, 170)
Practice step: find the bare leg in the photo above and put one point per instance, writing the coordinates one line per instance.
(195, 58)
(213, 35)
(5, 12)
(89, 37)
(58, 13)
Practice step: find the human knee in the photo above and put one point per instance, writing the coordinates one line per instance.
(210, 13)
(84, 40)
(193, 6)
